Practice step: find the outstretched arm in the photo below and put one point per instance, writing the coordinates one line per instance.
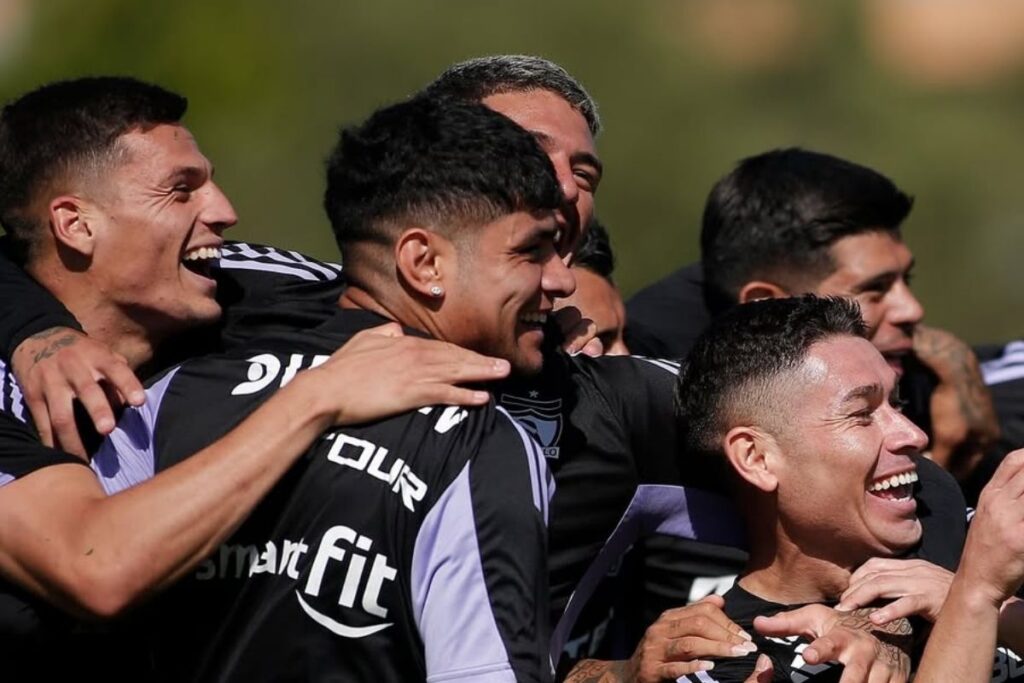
(63, 539)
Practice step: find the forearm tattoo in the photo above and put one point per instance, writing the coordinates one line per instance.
(594, 671)
(893, 641)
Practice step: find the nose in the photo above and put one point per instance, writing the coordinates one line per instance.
(557, 280)
(217, 211)
(903, 436)
(906, 310)
(566, 178)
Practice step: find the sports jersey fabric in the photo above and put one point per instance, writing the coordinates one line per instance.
(408, 549)
(789, 666)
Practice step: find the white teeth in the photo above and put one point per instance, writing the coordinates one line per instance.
(538, 318)
(202, 254)
(894, 481)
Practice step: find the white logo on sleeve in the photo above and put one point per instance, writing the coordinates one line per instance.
(343, 546)
(265, 368)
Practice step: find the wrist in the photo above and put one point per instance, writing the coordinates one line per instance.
(308, 402)
(975, 597)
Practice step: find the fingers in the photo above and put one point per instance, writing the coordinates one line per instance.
(704, 619)
(691, 648)
(577, 330)
(906, 606)
(593, 348)
(763, 670)
(673, 670)
(41, 418)
(808, 621)
(60, 403)
(120, 377)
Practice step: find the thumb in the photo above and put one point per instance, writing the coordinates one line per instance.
(763, 670)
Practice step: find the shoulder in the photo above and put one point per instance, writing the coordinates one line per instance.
(240, 257)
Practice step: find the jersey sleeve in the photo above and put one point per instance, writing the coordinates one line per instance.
(26, 308)
(479, 570)
(264, 290)
(21, 453)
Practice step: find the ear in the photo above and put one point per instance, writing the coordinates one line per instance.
(760, 289)
(751, 453)
(422, 258)
(70, 224)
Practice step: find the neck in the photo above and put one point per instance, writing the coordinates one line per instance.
(400, 311)
(781, 570)
(102, 320)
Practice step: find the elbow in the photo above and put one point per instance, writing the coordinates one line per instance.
(101, 592)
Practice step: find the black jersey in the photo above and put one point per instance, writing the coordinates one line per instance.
(664, 319)
(786, 653)
(1002, 367)
(30, 630)
(402, 550)
(607, 428)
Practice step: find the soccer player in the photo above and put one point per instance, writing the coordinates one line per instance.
(596, 296)
(793, 221)
(411, 548)
(112, 207)
(790, 396)
(606, 426)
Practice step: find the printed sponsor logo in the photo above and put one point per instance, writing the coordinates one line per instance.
(342, 553)
(266, 368)
(364, 456)
(542, 419)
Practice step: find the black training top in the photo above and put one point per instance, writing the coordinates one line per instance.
(402, 550)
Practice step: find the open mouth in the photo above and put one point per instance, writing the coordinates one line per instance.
(201, 260)
(896, 487)
(536, 319)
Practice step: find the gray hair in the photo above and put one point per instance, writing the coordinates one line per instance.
(475, 79)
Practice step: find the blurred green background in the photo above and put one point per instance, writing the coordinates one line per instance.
(930, 93)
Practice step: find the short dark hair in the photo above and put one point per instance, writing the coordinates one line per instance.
(776, 215)
(61, 129)
(730, 370)
(442, 164)
(594, 252)
(475, 79)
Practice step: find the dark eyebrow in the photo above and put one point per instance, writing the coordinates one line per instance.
(545, 141)
(866, 392)
(187, 173)
(883, 280)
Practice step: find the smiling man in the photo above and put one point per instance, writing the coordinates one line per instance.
(803, 410)
(406, 549)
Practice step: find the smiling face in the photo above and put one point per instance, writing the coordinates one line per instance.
(158, 220)
(599, 300)
(563, 133)
(845, 467)
(874, 268)
(507, 273)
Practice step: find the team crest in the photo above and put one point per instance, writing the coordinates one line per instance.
(542, 419)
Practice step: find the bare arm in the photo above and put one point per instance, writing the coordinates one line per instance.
(964, 421)
(991, 570)
(61, 538)
(673, 646)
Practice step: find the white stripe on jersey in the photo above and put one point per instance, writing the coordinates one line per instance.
(1006, 368)
(11, 399)
(234, 254)
(666, 365)
(698, 677)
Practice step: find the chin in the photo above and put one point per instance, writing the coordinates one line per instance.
(527, 362)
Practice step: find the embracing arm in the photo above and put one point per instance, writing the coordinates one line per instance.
(63, 539)
(990, 572)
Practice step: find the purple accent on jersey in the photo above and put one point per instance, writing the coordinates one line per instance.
(5, 479)
(541, 480)
(655, 509)
(450, 600)
(126, 457)
(1007, 367)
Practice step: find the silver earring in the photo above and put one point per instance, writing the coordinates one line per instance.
(436, 290)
